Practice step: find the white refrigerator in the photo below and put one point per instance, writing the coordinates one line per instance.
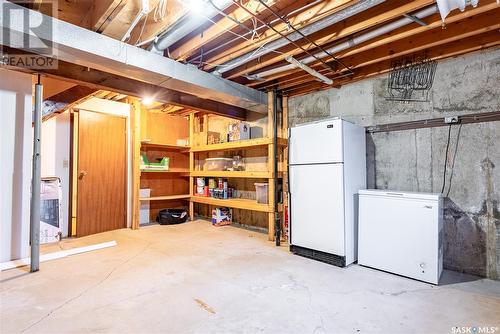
(402, 232)
(327, 168)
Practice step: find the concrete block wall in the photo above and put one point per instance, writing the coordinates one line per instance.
(413, 160)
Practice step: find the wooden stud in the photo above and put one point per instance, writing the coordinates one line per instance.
(74, 177)
(285, 157)
(270, 164)
(135, 120)
(191, 164)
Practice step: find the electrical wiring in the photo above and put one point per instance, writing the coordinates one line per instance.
(446, 159)
(323, 63)
(160, 11)
(292, 13)
(220, 11)
(142, 28)
(454, 159)
(263, 46)
(249, 57)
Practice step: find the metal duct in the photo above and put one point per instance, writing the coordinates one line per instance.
(187, 24)
(307, 30)
(353, 41)
(94, 51)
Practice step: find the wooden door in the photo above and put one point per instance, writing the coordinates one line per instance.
(102, 173)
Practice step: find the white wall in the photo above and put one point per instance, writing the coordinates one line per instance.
(15, 163)
(55, 150)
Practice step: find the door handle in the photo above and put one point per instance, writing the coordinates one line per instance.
(82, 174)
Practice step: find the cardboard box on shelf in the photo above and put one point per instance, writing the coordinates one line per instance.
(222, 216)
(239, 131)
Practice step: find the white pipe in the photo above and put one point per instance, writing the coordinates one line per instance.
(56, 255)
(186, 25)
(353, 41)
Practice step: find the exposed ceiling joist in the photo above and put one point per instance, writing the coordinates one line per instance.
(335, 32)
(106, 55)
(456, 48)
(300, 20)
(461, 19)
(104, 12)
(211, 33)
(416, 44)
(61, 102)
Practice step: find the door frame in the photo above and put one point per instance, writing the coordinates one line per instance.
(93, 105)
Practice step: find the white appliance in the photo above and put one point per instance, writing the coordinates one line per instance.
(144, 209)
(401, 233)
(327, 167)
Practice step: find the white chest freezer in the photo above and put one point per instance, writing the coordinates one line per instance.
(401, 232)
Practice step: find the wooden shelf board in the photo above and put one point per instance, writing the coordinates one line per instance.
(236, 203)
(171, 170)
(238, 145)
(230, 174)
(165, 146)
(164, 198)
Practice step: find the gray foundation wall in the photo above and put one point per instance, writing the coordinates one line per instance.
(413, 160)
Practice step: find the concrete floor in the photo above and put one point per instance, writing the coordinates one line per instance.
(195, 278)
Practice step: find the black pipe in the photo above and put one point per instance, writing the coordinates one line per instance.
(277, 221)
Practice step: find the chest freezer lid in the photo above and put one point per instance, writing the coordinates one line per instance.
(400, 194)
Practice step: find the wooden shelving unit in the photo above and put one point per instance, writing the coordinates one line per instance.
(164, 198)
(225, 174)
(237, 203)
(265, 147)
(251, 143)
(146, 143)
(154, 134)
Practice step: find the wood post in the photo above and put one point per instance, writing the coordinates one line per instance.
(191, 164)
(270, 164)
(135, 121)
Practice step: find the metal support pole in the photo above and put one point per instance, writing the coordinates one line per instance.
(36, 181)
(277, 222)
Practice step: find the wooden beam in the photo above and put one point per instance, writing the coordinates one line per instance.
(103, 12)
(135, 121)
(270, 164)
(365, 20)
(106, 81)
(433, 22)
(311, 15)
(65, 100)
(456, 48)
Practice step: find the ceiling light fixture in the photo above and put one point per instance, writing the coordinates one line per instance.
(147, 101)
(195, 6)
(309, 70)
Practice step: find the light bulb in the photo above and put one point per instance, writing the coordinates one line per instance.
(195, 6)
(147, 101)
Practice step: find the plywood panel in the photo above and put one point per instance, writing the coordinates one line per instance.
(165, 129)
